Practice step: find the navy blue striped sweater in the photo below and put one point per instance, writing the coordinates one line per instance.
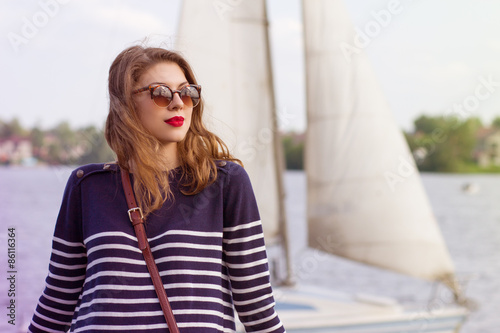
(209, 249)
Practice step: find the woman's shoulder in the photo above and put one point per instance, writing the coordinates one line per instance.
(233, 174)
(85, 171)
(230, 168)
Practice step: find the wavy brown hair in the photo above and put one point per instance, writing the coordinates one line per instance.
(135, 146)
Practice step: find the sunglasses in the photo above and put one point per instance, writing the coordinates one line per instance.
(162, 95)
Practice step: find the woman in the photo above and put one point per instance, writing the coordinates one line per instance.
(201, 217)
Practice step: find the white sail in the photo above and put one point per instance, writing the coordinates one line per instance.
(226, 43)
(366, 201)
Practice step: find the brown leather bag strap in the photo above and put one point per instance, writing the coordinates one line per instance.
(137, 219)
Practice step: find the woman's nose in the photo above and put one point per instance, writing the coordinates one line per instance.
(177, 102)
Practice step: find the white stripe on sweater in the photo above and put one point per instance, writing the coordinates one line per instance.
(242, 226)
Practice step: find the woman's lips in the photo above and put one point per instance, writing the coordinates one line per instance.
(177, 121)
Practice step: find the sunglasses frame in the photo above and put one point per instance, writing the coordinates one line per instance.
(152, 87)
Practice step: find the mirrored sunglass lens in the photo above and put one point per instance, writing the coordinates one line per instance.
(191, 92)
(162, 96)
(190, 96)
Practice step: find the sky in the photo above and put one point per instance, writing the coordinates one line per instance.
(436, 57)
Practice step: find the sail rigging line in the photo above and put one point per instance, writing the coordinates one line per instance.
(451, 281)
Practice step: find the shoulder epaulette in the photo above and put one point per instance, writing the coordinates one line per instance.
(90, 169)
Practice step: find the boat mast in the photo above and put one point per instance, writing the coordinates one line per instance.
(279, 163)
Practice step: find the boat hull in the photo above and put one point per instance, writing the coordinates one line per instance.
(314, 310)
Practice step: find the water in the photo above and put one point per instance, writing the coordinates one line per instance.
(470, 223)
(29, 202)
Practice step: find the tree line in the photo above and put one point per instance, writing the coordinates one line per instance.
(60, 144)
(451, 144)
(438, 143)
(65, 145)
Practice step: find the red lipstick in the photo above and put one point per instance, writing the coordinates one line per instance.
(176, 121)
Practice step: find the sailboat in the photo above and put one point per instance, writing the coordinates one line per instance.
(362, 184)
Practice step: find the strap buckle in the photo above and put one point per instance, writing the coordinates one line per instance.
(131, 210)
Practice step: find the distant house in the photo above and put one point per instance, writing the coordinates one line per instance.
(15, 150)
(488, 149)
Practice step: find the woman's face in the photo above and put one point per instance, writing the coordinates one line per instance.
(168, 124)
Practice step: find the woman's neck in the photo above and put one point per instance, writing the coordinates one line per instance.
(170, 156)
